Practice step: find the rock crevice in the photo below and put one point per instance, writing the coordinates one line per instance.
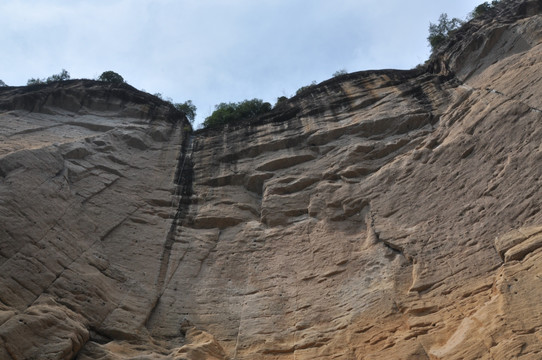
(377, 215)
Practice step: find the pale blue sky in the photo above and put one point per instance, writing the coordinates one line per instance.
(213, 51)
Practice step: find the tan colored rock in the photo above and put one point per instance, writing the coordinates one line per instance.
(86, 198)
(23, 335)
(380, 215)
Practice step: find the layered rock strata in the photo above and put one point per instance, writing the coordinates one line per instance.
(379, 215)
(88, 194)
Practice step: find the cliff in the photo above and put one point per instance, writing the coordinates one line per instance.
(378, 215)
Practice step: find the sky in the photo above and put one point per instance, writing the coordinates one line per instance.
(213, 51)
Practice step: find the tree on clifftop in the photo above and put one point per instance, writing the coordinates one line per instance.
(439, 33)
(227, 113)
(111, 77)
(188, 109)
(484, 8)
(61, 76)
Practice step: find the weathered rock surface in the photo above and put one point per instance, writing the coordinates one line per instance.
(378, 215)
(87, 195)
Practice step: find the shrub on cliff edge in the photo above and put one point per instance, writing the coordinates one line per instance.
(228, 113)
(439, 33)
(188, 109)
(483, 9)
(61, 76)
(111, 77)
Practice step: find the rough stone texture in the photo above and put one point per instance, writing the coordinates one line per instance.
(87, 195)
(378, 215)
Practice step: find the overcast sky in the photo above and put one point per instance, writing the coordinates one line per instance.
(213, 51)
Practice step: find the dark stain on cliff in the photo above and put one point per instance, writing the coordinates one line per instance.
(184, 175)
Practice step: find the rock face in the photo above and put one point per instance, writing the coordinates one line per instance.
(378, 215)
(87, 193)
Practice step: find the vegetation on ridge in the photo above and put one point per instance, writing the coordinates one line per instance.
(188, 109)
(484, 8)
(227, 113)
(439, 33)
(111, 77)
(62, 76)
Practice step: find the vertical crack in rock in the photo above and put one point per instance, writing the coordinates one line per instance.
(183, 180)
(439, 165)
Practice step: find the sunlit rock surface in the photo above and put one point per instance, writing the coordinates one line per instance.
(378, 215)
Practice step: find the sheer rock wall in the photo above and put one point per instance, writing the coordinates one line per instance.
(378, 215)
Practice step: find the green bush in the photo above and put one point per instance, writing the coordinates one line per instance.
(228, 113)
(35, 81)
(111, 77)
(303, 88)
(281, 100)
(188, 109)
(62, 76)
(439, 33)
(483, 8)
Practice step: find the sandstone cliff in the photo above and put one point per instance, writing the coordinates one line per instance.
(379, 215)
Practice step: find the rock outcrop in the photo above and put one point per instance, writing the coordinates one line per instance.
(378, 215)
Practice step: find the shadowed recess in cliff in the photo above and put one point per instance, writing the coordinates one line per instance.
(378, 215)
(183, 192)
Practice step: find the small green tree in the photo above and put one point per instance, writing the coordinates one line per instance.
(224, 113)
(439, 33)
(188, 109)
(111, 77)
(35, 81)
(483, 9)
(62, 76)
(227, 113)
